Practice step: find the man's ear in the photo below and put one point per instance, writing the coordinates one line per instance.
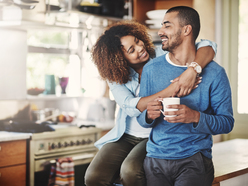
(187, 30)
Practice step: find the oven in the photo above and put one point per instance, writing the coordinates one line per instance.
(72, 142)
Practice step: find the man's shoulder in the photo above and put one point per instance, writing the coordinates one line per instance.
(214, 69)
(155, 61)
(214, 66)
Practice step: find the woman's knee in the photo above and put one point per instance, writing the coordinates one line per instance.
(132, 174)
(131, 169)
(91, 177)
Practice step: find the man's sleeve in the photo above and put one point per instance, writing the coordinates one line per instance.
(222, 120)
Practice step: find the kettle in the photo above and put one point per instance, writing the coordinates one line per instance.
(95, 112)
(109, 108)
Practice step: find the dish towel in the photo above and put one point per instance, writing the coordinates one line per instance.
(52, 175)
(63, 173)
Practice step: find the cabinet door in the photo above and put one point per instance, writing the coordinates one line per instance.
(13, 176)
(13, 52)
(12, 153)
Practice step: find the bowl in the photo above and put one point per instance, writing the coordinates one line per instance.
(156, 14)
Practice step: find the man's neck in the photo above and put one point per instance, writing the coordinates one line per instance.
(183, 54)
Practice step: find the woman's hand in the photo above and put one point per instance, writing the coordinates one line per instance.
(187, 81)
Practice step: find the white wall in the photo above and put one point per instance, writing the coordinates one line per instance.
(13, 53)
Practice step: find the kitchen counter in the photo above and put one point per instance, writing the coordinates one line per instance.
(10, 136)
(230, 160)
(104, 125)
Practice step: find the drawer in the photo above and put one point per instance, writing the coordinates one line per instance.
(13, 175)
(13, 153)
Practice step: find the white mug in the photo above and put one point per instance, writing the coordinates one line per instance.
(170, 101)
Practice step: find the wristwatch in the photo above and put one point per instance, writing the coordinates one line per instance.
(196, 67)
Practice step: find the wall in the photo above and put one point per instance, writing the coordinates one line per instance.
(10, 108)
(13, 54)
(206, 10)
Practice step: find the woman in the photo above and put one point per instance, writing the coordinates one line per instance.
(120, 54)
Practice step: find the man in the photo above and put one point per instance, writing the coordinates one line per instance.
(179, 148)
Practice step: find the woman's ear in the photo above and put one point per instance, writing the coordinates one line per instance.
(187, 29)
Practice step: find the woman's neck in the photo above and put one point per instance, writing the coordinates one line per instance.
(138, 69)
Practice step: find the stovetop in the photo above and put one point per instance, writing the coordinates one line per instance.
(33, 127)
(24, 126)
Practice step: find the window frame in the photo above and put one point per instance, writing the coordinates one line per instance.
(229, 59)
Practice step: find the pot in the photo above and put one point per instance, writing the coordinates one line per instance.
(113, 8)
(92, 8)
(65, 3)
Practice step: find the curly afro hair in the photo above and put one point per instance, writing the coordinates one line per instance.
(107, 53)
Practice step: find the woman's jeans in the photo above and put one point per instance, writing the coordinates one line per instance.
(122, 158)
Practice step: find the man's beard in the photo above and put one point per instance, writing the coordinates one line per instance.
(177, 41)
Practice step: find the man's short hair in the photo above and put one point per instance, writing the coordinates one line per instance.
(188, 16)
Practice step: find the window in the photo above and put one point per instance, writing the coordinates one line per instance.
(63, 49)
(243, 58)
(234, 59)
(53, 53)
(64, 53)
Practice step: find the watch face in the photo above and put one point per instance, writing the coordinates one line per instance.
(198, 69)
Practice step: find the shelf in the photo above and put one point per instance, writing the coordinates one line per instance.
(26, 24)
(52, 97)
(51, 50)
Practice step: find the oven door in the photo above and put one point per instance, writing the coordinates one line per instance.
(42, 167)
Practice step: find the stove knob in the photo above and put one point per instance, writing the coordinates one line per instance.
(53, 146)
(66, 144)
(72, 143)
(83, 142)
(59, 145)
(78, 142)
(89, 141)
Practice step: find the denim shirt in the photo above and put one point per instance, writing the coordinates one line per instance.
(124, 95)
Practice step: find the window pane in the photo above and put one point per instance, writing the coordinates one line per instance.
(49, 38)
(243, 58)
(40, 64)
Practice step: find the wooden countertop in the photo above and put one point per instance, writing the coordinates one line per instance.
(230, 159)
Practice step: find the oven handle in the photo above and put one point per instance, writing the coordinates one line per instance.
(81, 157)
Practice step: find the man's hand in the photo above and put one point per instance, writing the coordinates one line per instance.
(184, 114)
(153, 109)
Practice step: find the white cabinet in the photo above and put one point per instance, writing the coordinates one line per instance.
(13, 52)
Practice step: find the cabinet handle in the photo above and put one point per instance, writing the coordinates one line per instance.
(0, 148)
(0, 175)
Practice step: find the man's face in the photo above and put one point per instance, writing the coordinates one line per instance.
(170, 32)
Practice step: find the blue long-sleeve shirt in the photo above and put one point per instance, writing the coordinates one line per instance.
(212, 98)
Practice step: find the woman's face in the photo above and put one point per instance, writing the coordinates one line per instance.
(134, 51)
